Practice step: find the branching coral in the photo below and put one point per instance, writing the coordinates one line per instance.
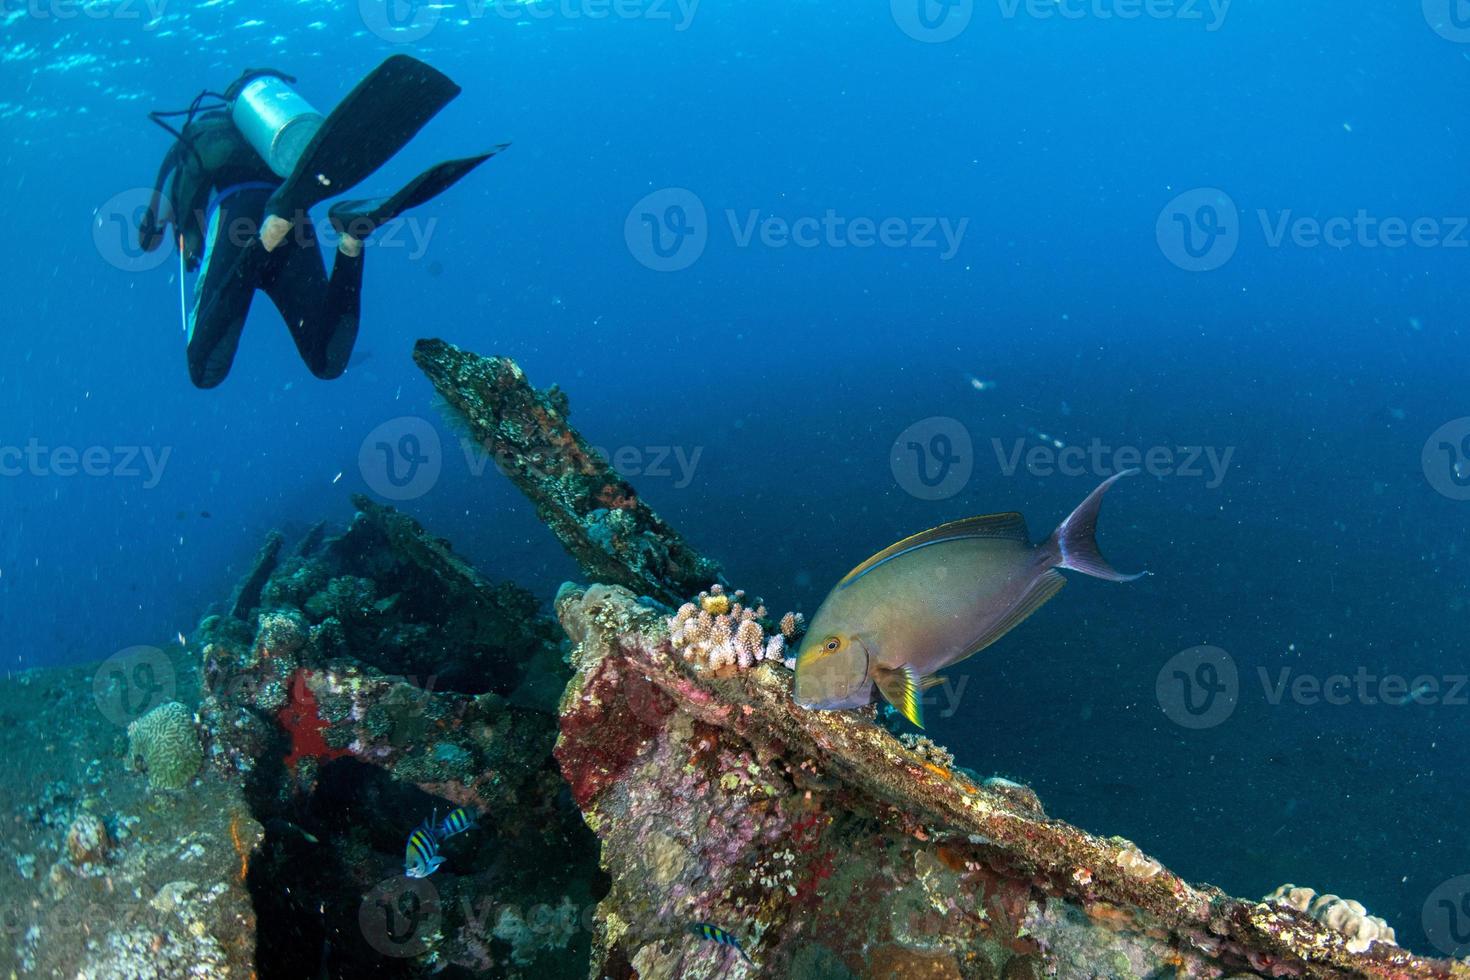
(168, 745)
(720, 630)
(928, 750)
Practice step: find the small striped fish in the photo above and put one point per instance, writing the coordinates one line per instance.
(458, 821)
(421, 858)
(715, 934)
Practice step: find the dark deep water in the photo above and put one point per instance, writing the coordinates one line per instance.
(757, 394)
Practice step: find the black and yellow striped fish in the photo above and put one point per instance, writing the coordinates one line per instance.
(458, 821)
(715, 934)
(421, 857)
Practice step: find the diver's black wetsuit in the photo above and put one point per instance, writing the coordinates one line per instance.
(217, 196)
(230, 210)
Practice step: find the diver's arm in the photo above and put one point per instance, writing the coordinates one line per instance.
(150, 229)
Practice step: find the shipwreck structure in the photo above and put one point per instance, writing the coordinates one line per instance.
(628, 783)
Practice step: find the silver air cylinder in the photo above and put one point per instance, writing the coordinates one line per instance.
(276, 121)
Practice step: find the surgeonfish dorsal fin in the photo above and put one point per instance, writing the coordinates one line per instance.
(1010, 526)
(902, 688)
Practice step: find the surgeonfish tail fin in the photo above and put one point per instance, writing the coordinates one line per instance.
(1074, 544)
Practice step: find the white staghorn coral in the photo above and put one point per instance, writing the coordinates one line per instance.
(720, 630)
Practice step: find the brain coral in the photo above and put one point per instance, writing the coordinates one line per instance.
(168, 744)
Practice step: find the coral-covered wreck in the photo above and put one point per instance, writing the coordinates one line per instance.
(239, 808)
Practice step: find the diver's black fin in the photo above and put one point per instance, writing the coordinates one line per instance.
(370, 125)
(360, 218)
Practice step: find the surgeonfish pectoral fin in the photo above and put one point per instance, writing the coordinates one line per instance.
(1074, 543)
(902, 688)
(933, 680)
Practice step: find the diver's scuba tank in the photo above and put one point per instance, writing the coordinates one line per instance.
(273, 118)
(277, 123)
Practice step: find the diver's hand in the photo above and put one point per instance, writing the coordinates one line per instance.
(274, 231)
(150, 235)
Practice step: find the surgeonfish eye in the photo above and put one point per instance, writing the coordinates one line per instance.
(832, 645)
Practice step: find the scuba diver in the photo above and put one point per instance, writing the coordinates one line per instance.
(246, 167)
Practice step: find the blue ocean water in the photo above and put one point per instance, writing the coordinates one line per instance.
(722, 229)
